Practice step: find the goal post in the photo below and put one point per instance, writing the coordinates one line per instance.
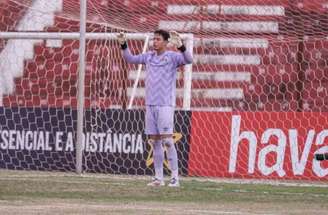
(80, 86)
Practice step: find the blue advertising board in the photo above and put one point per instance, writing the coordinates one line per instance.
(113, 140)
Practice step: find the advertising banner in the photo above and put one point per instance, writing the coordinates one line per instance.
(270, 145)
(113, 140)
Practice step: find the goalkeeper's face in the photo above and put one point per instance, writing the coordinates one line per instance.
(159, 42)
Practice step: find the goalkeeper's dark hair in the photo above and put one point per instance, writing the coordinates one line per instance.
(163, 33)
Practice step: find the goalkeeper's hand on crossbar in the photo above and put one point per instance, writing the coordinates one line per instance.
(175, 39)
(121, 38)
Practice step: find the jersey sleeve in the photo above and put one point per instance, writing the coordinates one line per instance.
(182, 58)
(135, 59)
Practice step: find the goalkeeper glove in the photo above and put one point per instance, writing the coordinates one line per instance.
(176, 40)
(121, 38)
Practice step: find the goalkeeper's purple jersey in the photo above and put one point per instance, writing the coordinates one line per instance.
(161, 73)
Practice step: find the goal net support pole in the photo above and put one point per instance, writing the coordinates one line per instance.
(80, 87)
(135, 84)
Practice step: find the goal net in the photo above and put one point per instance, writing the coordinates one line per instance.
(252, 105)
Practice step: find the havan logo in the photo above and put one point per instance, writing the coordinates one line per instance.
(298, 158)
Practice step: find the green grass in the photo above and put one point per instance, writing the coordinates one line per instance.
(29, 187)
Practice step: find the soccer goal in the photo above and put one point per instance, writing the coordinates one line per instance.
(253, 105)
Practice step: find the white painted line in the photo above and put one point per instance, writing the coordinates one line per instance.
(182, 9)
(211, 9)
(231, 93)
(228, 59)
(115, 106)
(257, 10)
(14, 54)
(133, 75)
(222, 76)
(209, 109)
(232, 42)
(179, 25)
(54, 43)
(214, 76)
(140, 92)
(242, 26)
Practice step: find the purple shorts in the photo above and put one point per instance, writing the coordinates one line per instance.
(159, 120)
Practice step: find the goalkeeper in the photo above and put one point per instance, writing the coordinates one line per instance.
(161, 71)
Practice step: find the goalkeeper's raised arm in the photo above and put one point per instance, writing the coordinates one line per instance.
(136, 59)
(185, 56)
(161, 40)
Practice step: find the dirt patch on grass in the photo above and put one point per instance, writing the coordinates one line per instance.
(59, 206)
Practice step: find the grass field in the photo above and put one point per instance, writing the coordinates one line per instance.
(29, 192)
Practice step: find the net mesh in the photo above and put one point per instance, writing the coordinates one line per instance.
(262, 62)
